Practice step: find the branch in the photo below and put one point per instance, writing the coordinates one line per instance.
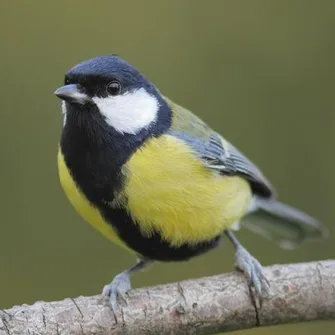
(299, 292)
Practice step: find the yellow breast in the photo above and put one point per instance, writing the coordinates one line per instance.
(82, 205)
(169, 190)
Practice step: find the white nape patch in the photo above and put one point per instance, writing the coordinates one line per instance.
(129, 113)
(64, 111)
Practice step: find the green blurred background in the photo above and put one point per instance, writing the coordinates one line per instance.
(261, 72)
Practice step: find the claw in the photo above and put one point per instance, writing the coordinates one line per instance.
(120, 285)
(253, 271)
(118, 288)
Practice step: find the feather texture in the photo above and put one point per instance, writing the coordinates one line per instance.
(217, 153)
(171, 191)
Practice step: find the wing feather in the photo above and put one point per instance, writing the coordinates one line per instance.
(215, 151)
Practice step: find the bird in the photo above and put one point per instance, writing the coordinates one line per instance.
(157, 180)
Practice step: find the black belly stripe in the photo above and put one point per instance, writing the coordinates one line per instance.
(94, 155)
(153, 247)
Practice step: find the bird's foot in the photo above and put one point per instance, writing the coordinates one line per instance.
(118, 288)
(253, 270)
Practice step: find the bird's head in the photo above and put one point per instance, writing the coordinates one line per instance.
(126, 100)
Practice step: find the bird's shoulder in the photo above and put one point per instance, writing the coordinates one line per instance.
(185, 121)
(216, 152)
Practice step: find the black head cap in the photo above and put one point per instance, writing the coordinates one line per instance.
(94, 74)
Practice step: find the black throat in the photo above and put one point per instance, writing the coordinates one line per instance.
(94, 152)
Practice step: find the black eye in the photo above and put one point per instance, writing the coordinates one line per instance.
(114, 87)
(67, 81)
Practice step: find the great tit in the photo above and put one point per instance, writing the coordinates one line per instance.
(155, 179)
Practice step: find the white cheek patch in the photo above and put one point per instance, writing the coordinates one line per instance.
(64, 111)
(129, 113)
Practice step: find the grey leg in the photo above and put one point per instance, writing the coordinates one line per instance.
(121, 283)
(250, 266)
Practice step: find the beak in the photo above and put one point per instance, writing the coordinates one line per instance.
(71, 93)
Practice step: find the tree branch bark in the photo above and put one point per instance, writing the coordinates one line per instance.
(298, 292)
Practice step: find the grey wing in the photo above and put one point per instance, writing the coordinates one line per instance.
(220, 155)
(270, 218)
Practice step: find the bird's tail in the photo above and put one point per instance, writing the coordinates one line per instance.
(284, 224)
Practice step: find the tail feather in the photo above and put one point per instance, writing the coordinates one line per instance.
(282, 223)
